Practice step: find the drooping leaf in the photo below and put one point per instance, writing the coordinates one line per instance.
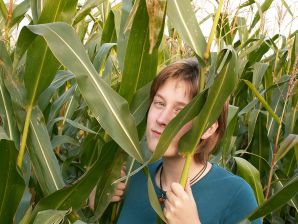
(182, 16)
(85, 9)
(277, 200)
(110, 109)
(60, 79)
(262, 100)
(72, 123)
(12, 183)
(248, 172)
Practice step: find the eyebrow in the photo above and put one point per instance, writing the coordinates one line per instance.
(178, 103)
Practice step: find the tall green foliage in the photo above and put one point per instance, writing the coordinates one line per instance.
(74, 90)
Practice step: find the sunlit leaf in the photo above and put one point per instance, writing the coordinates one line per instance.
(252, 176)
(110, 109)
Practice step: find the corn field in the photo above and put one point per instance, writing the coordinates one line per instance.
(74, 92)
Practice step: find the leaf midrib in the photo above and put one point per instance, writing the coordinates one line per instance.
(98, 87)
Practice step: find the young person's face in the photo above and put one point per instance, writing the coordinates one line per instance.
(169, 99)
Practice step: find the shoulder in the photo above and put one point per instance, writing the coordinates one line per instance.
(230, 179)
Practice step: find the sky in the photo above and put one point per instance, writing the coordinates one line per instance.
(277, 19)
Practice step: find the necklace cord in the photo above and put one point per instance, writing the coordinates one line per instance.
(193, 180)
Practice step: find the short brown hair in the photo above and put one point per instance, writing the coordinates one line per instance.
(188, 70)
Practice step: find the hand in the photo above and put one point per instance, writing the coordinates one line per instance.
(119, 191)
(180, 206)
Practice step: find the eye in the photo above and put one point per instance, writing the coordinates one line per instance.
(178, 109)
(159, 104)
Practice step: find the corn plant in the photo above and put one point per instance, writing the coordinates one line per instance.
(74, 86)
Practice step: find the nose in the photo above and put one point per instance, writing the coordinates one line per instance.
(165, 116)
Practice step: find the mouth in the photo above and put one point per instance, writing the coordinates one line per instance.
(156, 133)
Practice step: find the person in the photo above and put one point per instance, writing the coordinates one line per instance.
(212, 194)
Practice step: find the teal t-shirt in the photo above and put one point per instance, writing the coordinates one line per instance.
(221, 197)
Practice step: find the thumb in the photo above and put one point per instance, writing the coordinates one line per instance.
(188, 188)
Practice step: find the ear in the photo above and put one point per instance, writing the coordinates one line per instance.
(210, 131)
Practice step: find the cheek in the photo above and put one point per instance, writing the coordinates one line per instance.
(183, 130)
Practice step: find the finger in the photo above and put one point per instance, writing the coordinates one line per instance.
(123, 171)
(177, 189)
(118, 193)
(116, 198)
(171, 197)
(188, 188)
(121, 186)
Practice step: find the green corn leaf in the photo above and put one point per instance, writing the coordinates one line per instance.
(287, 7)
(63, 139)
(140, 103)
(109, 33)
(44, 161)
(277, 200)
(68, 197)
(50, 216)
(152, 196)
(264, 7)
(72, 123)
(139, 66)
(110, 109)
(60, 79)
(260, 144)
(185, 115)
(85, 10)
(182, 16)
(262, 100)
(3, 10)
(12, 183)
(6, 110)
(218, 93)
(247, 171)
(287, 144)
(19, 12)
(156, 12)
(123, 35)
(101, 56)
(41, 65)
(107, 189)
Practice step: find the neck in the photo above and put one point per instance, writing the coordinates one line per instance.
(172, 170)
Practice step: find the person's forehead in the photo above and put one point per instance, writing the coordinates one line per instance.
(178, 86)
